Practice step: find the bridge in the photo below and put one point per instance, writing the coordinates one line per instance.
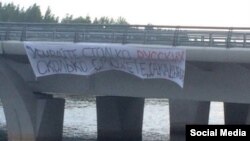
(217, 69)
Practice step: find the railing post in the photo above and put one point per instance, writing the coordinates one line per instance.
(229, 35)
(84, 35)
(145, 37)
(7, 34)
(210, 39)
(124, 37)
(23, 36)
(175, 38)
(202, 40)
(76, 37)
(244, 40)
(54, 34)
(113, 36)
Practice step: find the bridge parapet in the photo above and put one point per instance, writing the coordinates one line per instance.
(136, 34)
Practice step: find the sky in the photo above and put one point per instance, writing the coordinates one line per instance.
(230, 13)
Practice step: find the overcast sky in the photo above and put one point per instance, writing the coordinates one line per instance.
(157, 12)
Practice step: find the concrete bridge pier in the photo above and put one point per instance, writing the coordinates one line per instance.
(183, 112)
(119, 118)
(29, 116)
(236, 113)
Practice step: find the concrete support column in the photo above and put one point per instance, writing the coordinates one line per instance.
(183, 112)
(50, 113)
(119, 118)
(29, 117)
(236, 113)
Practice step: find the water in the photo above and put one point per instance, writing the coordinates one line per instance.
(80, 123)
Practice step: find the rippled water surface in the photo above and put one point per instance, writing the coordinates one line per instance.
(80, 123)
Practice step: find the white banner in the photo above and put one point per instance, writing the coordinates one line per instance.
(49, 58)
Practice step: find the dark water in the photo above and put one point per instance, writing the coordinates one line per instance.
(80, 123)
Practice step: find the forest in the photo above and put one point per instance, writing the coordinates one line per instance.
(10, 12)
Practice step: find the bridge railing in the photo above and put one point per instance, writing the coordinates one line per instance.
(136, 34)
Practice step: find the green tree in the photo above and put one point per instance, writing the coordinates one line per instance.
(107, 20)
(13, 13)
(49, 17)
(67, 19)
(95, 21)
(33, 14)
(88, 19)
(80, 20)
(121, 20)
(9, 12)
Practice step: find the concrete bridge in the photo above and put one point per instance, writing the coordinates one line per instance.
(217, 69)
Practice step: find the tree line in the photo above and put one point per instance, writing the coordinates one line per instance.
(14, 13)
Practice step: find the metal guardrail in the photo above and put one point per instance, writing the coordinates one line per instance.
(136, 34)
